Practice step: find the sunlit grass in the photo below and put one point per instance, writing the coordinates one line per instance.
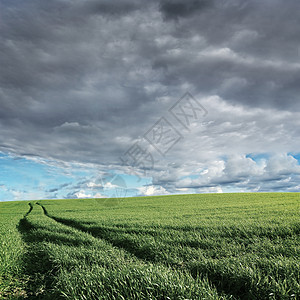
(228, 246)
(12, 249)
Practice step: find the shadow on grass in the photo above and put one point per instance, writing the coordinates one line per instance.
(37, 263)
(226, 280)
(149, 253)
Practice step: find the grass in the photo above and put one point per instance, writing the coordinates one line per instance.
(214, 246)
(12, 248)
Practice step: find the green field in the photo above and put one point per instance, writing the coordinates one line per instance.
(208, 246)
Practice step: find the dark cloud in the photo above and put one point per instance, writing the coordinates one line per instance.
(111, 7)
(246, 53)
(183, 9)
(82, 81)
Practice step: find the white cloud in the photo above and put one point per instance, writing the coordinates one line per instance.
(86, 194)
(99, 195)
(82, 194)
(282, 164)
(94, 185)
(152, 190)
(242, 173)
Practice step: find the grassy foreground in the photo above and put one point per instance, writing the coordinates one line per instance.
(209, 246)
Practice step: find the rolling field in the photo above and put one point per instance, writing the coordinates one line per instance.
(208, 246)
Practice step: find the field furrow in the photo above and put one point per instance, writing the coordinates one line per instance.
(179, 247)
(60, 259)
(253, 257)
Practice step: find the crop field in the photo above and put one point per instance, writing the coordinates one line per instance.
(208, 246)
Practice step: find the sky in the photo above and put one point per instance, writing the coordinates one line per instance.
(130, 98)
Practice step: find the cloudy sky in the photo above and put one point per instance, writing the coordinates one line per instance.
(125, 98)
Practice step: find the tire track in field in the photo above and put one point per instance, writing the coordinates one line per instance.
(37, 263)
(142, 254)
(100, 234)
(29, 211)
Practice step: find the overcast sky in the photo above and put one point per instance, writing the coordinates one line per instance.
(207, 90)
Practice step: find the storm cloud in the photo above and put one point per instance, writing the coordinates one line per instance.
(82, 81)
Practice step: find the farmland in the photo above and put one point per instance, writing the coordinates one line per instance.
(208, 246)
